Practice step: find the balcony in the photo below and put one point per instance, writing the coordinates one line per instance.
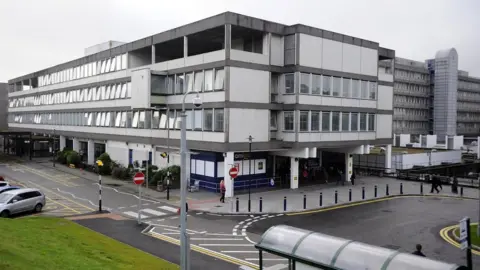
(410, 105)
(405, 92)
(412, 80)
(410, 118)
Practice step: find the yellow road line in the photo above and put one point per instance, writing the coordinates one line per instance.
(205, 251)
(444, 233)
(47, 176)
(49, 190)
(376, 200)
(66, 207)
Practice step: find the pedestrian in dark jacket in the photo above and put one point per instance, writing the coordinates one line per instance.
(418, 251)
(455, 185)
(352, 178)
(434, 180)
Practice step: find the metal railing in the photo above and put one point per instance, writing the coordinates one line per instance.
(240, 185)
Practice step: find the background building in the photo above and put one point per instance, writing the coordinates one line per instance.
(310, 99)
(434, 97)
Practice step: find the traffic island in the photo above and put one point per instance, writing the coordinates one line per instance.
(473, 236)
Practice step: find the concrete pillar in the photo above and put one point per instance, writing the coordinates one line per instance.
(293, 173)
(366, 149)
(388, 158)
(76, 145)
(91, 152)
(154, 153)
(62, 142)
(478, 150)
(153, 54)
(185, 46)
(348, 166)
(227, 164)
(228, 40)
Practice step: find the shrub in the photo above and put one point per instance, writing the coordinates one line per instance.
(62, 157)
(117, 172)
(106, 169)
(73, 158)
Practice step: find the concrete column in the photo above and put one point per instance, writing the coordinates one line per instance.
(62, 142)
(76, 145)
(91, 152)
(185, 46)
(388, 158)
(348, 166)
(366, 149)
(153, 54)
(154, 153)
(293, 173)
(478, 149)
(228, 40)
(227, 164)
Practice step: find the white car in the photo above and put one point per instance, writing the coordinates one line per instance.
(4, 183)
(21, 200)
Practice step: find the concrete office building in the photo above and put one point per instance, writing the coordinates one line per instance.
(434, 97)
(307, 96)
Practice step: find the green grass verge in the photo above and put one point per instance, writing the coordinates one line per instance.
(55, 243)
(473, 235)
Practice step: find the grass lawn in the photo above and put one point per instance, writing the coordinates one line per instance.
(473, 234)
(54, 243)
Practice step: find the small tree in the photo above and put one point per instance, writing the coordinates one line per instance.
(106, 169)
(73, 158)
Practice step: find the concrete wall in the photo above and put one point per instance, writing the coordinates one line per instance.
(248, 85)
(3, 106)
(245, 122)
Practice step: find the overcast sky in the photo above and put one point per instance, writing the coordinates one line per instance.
(36, 34)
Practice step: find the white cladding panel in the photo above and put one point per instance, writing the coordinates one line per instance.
(244, 56)
(384, 126)
(245, 122)
(335, 136)
(141, 88)
(310, 51)
(369, 61)
(205, 96)
(248, 85)
(277, 51)
(385, 97)
(335, 101)
(351, 61)
(332, 55)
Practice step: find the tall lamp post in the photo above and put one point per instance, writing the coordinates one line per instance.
(250, 138)
(53, 148)
(184, 244)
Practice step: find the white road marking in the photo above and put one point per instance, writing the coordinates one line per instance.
(160, 220)
(145, 204)
(241, 222)
(236, 226)
(225, 245)
(153, 212)
(168, 208)
(170, 230)
(173, 217)
(277, 267)
(239, 251)
(75, 197)
(216, 239)
(266, 259)
(133, 205)
(234, 233)
(143, 199)
(200, 213)
(134, 214)
(121, 207)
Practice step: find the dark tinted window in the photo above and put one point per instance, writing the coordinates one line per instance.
(3, 184)
(7, 189)
(30, 194)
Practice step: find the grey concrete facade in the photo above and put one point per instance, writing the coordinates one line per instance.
(3, 106)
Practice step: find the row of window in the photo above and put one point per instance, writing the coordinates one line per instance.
(331, 86)
(412, 87)
(468, 106)
(469, 95)
(409, 125)
(411, 75)
(411, 100)
(203, 80)
(112, 64)
(104, 92)
(198, 120)
(329, 121)
(410, 112)
(468, 85)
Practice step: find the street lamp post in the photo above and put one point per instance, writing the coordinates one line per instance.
(184, 244)
(249, 169)
(53, 148)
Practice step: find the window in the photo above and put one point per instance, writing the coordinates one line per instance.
(336, 87)
(354, 122)
(289, 83)
(316, 84)
(273, 120)
(197, 120)
(304, 83)
(327, 86)
(124, 61)
(346, 88)
(315, 121)
(373, 90)
(335, 121)
(118, 117)
(364, 89)
(163, 120)
(218, 120)
(141, 120)
(363, 121)
(124, 90)
(219, 78)
(208, 80)
(119, 91)
(345, 121)
(198, 81)
(325, 121)
(171, 119)
(355, 89)
(207, 120)
(170, 84)
(288, 121)
(371, 122)
(123, 123)
(304, 121)
(135, 120)
(189, 119)
(179, 79)
(189, 82)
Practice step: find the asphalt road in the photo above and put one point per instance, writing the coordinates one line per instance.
(396, 224)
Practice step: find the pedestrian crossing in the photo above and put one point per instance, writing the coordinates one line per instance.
(146, 213)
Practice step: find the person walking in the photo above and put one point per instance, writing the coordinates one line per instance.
(352, 178)
(434, 180)
(222, 191)
(418, 251)
(455, 185)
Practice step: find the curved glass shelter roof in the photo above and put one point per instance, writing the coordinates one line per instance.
(311, 250)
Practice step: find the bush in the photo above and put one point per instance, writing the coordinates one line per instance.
(117, 172)
(73, 158)
(62, 157)
(106, 169)
(161, 175)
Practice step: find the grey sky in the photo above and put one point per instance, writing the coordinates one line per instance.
(37, 34)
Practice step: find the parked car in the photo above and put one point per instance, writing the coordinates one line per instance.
(7, 188)
(21, 200)
(4, 183)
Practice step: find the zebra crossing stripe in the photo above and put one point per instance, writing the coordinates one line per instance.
(134, 214)
(153, 212)
(168, 208)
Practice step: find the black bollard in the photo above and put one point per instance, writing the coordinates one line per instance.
(261, 204)
(375, 191)
(350, 195)
(336, 197)
(320, 202)
(363, 193)
(249, 204)
(304, 201)
(236, 204)
(421, 188)
(386, 190)
(168, 192)
(401, 188)
(461, 191)
(285, 203)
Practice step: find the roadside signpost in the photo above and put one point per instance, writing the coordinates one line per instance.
(233, 172)
(138, 180)
(465, 241)
(99, 165)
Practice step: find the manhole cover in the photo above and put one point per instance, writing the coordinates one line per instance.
(218, 206)
(387, 211)
(392, 247)
(114, 185)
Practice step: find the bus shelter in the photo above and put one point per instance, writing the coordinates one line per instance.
(307, 250)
